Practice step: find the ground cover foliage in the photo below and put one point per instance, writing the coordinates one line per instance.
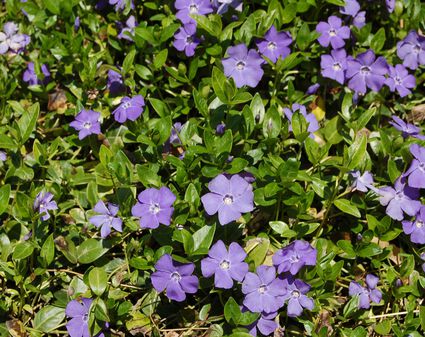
(223, 168)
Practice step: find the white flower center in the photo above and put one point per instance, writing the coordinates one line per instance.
(154, 208)
(228, 199)
(240, 65)
(337, 66)
(225, 265)
(86, 317)
(295, 293)
(416, 48)
(175, 276)
(365, 70)
(294, 258)
(332, 32)
(42, 205)
(126, 105)
(419, 224)
(193, 9)
(271, 45)
(262, 289)
(398, 80)
(399, 195)
(87, 125)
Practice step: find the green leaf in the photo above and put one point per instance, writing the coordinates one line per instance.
(212, 24)
(22, 250)
(289, 13)
(356, 152)
(160, 107)
(160, 58)
(368, 250)
(53, 6)
(90, 250)
(128, 61)
(347, 207)
(383, 328)
(28, 122)
(222, 88)
(422, 317)
(240, 334)
(47, 252)
(48, 318)
(6, 142)
(257, 249)
(378, 40)
(203, 238)
(4, 198)
(98, 280)
(232, 312)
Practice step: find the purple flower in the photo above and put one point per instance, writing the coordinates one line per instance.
(225, 265)
(416, 228)
(399, 199)
(275, 44)
(154, 207)
(229, 197)
(79, 314)
(222, 6)
(390, 5)
(87, 123)
(412, 50)
(131, 24)
(187, 7)
(399, 79)
(11, 40)
(406, 129)
(243, 66)
(360, 19)
(265, 324)
(365, 71)
(351, 8)
(294, 256)
(174, 137)
(120, 4)
(220, 128)
(174, 277)
(263, 291)
(3, 156)
(186, 40)
(362, 182)
(77, 23)
(107, 219)
(416, 172)
(129, 108)
(115, 83)
(313, 125)
(366, 294)
(332, 33)
(43, 203)
(312, 89)
(295, 291)
(31, 77)
(334, 65)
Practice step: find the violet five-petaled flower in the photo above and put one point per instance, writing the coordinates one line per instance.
(366, 71)
(174, 277)
(334, 65)
(416, 172)
(366, 294)
(401, 198)
(129, 108)
(128, 30)
(30, 76)
(11, 40)
(400, 80)
(332, 32)
(263, 291)
(225, 265)
(79, 313)
(229, 197)
(87, 123)
(243, 65)
(185, 39)
(310, 118)
(295, 291)
(107, 218)
(362, 182)
(412, 50)
(275, 44)
(350, 8)
(265, 324)
(120, 4)
(416, 228)
(294, 256)
(185, 8)
(115, 83)
(43, 203)
(154, 207)
(407, 129)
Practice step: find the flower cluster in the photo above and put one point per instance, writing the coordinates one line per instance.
(366, 294)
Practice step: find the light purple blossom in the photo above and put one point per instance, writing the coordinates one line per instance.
(222, 6)
(416, 228)
(263, 291)
(43, 203)
(275, 44)
(154, 207)
(295, 294)
(313, 125)
(120, 4)
(332, 32)
(399, 79)
(229, 198)
(220, 128)
(366, 294)
(312, 89)
(416, 173)
(351, 8)
(401, 198)
(334, 65)
(129, 108)
(360, 19)
(366, 71)
(79, 314)
(3, 156)
(362, 182)
(185, 8)
(265, 324)
(294, 256)
(225, 265)
(31, 77)
(185, 39)
(406, 129)
(77, 23)
(243, 66)
(390, 5)
(127, 32)
(11, 40)
(412, 50)
(115, 83)
(87, 123)
(107, 218)
(174, 277)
